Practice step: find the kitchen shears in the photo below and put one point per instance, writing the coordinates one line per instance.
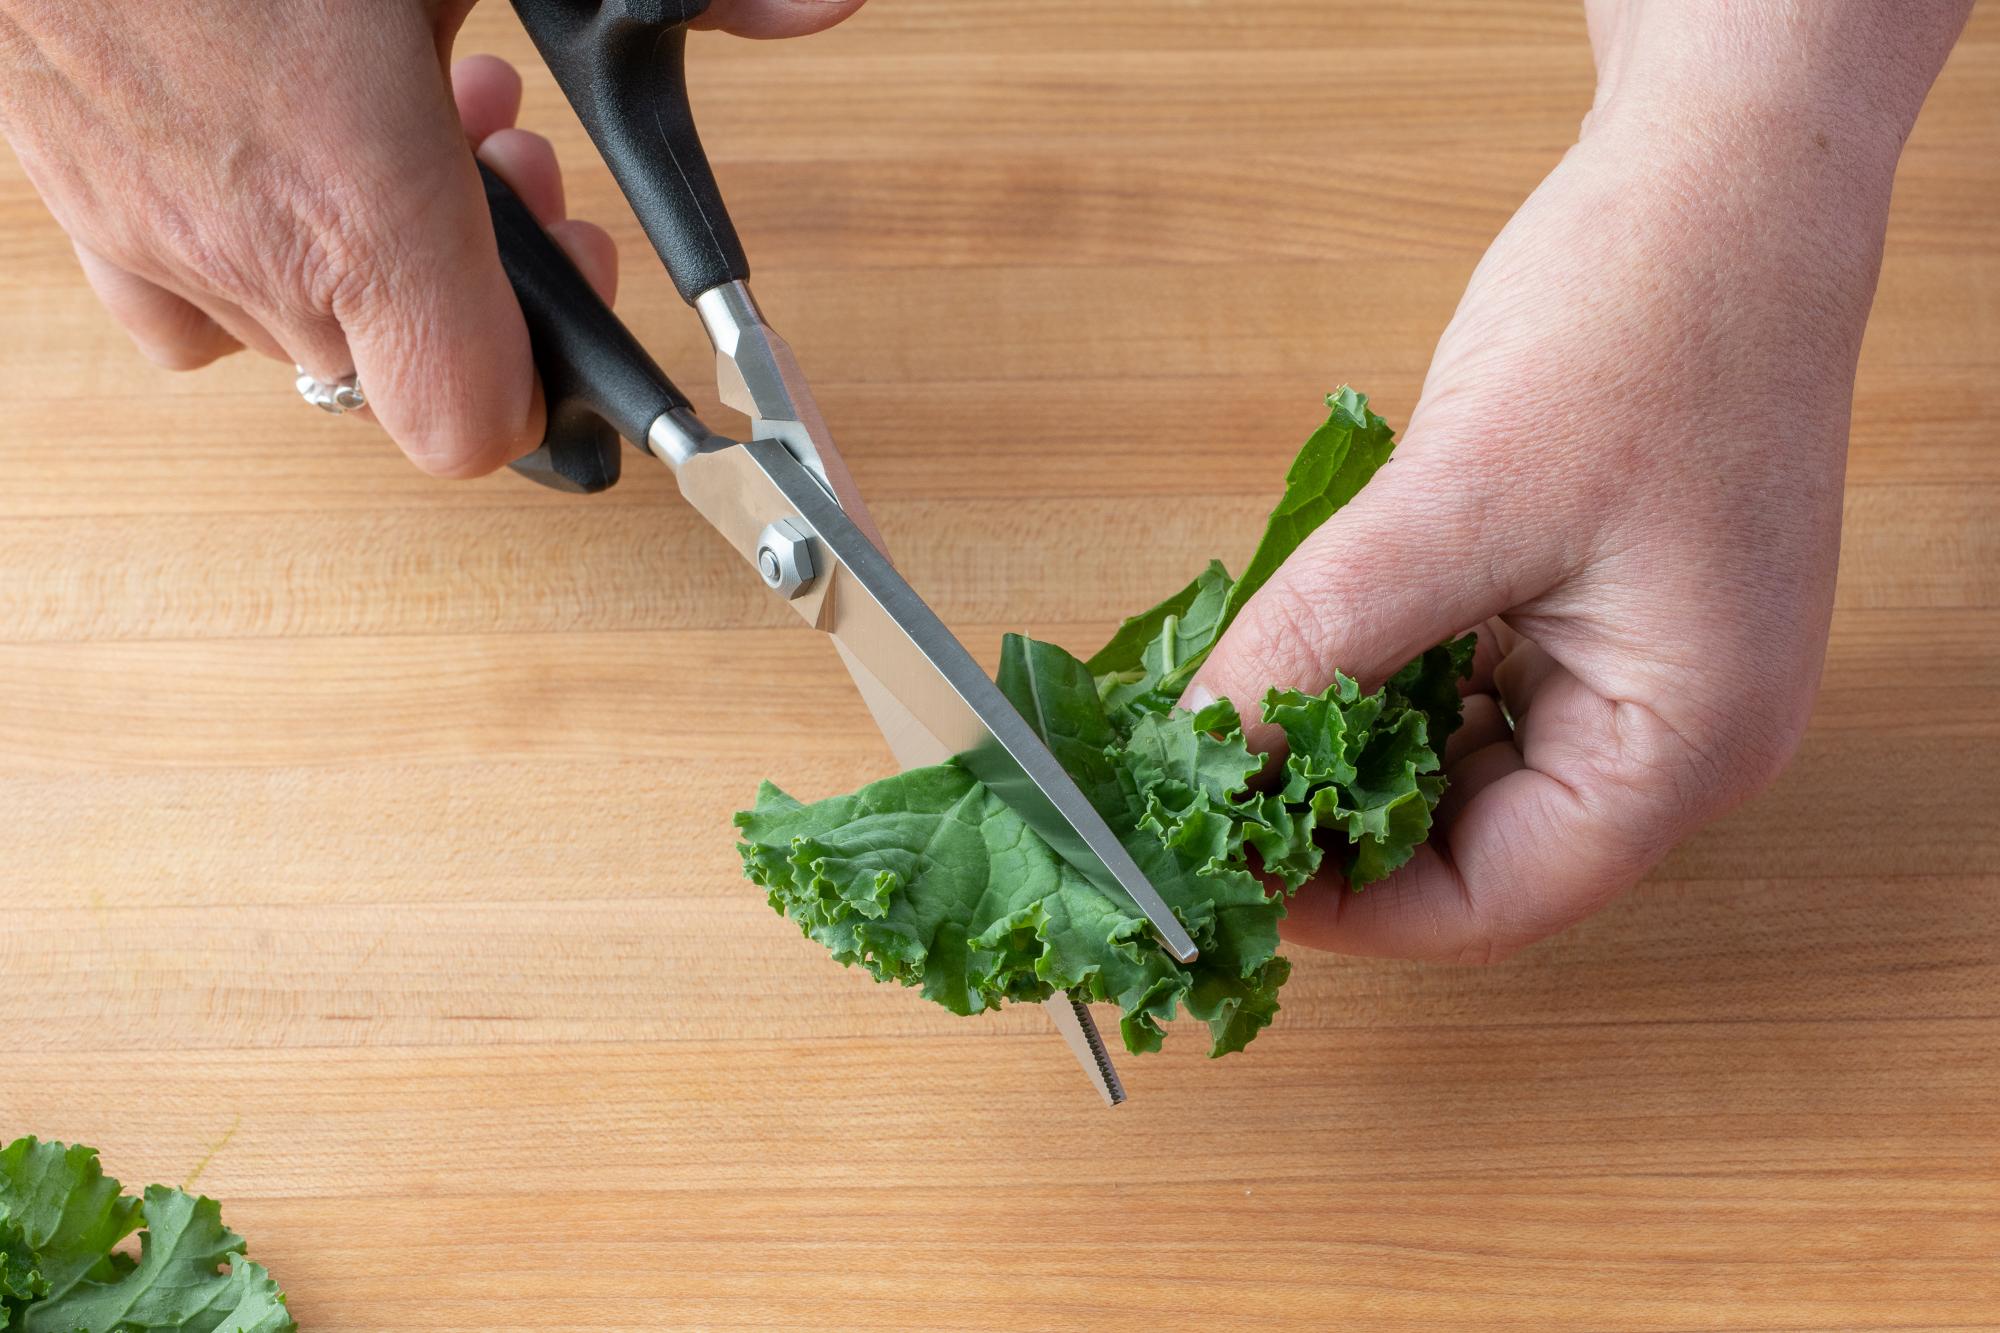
(782, 497)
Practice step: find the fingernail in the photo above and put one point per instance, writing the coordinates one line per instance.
(1198, 697)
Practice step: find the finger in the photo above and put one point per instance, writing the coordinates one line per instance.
(1414, 913)
(1505, 636)
(1533, 849)
(1474, 771)
(594, 253)
(1486, 654)
(1521, 675)
(776, 18)
(1481, 724)
(527, 162)
(169, 331)
(488, 92)
(1412, 560)
(253, 333)
(308, 338)
(436, 335)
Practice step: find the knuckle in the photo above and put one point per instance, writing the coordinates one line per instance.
(179, 338)
(1761, 735)
(335, 267)
(330, 249)
(217, 253)
(1708, 760)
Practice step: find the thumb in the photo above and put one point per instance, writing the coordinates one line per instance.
(389, 269)
(1417, 557)
(436, 334)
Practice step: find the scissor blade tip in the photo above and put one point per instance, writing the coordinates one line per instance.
(1173, 935)
(1079, 1030)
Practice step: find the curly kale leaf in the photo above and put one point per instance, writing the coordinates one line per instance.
(61, 1216)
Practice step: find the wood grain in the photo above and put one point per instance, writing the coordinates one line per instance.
(367, 859)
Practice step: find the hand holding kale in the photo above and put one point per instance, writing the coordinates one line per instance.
(1627, 460)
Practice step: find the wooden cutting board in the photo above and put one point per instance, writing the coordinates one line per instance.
(367, 858)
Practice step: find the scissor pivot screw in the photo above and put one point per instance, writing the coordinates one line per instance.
(785, 559)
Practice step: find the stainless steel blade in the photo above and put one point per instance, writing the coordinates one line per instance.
(914, 746)
(757, 373)
(906, 655)
(1072, 1019)
(909, 740)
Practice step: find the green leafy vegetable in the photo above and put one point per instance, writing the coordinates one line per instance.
(21, 1279)
(60, 1219)
(1336, 462)
(1156, 653)
(928, 879)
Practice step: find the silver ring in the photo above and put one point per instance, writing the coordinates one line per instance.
(335, 396)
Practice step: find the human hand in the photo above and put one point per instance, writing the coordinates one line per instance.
(293, 178)
(1626, 463)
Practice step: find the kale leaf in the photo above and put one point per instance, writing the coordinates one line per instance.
(60, 1219)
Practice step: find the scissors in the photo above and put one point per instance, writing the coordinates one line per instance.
(782, 497)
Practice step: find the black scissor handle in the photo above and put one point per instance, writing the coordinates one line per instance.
(621, 64)
(598, 382)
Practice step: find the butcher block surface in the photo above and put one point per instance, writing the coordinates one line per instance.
(366, 858)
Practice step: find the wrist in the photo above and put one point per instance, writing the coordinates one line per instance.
(1834, 86)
